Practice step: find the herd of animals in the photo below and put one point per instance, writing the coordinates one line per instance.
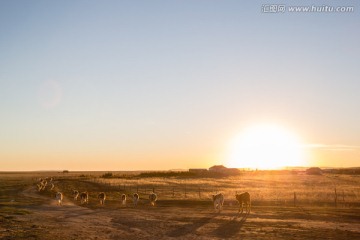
(84, 197)
(218, 199)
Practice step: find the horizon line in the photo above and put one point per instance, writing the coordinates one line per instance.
(179, 169)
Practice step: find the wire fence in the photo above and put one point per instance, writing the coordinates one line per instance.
(274, 194)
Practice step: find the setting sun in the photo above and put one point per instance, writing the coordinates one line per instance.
(265, 147)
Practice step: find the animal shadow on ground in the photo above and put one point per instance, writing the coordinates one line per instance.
(231, 227)
(190, 227)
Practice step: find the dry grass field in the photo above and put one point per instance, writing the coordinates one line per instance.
(184, 209)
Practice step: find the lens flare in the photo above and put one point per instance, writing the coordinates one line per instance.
(265, 147)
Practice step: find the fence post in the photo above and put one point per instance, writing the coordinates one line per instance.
(335, 198)
(294, 199)
(199, 193)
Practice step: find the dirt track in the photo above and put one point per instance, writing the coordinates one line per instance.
(174, 220)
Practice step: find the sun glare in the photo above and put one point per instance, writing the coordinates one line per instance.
(265, 147)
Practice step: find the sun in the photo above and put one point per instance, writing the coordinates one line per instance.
(265, 146)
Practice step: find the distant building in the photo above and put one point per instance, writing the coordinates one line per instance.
(218, 168)
(314, 171)
(224, 170)
(198, 170)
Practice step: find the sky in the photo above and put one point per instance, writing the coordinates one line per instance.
(152, 85)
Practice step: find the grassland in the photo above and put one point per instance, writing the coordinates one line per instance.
(184, 209)
(265, 187)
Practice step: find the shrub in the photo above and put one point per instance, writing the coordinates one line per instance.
(107, 175)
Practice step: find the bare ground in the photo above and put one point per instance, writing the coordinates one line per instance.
(31, 215)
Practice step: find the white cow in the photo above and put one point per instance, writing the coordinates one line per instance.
(152, 198)
(44, 183)
(39, 186)
(84, 197)
(244, 199)
(76, 194)
(59, 198)
(123, 199)
(218, 200)
(102, 197)
(135, 199)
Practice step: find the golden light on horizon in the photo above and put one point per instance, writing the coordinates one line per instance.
(266, 147)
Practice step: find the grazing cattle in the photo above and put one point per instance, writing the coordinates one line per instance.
(135, 199)
(152, 198)
(218, 201)
(59, 198)
(52, 186)
(84, 197)
(123, 199)
(102, 197)
(39, 186)
(44, 183)
(244, 199)
(76, 194)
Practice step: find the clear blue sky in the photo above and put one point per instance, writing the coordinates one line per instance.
(165, 84)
